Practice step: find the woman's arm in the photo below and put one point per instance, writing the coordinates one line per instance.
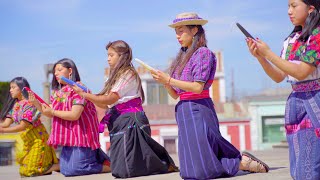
(298, 71)
(163, 78)
(171, 91)
(20, 127)
(195, 87)
(35, 102)
(102, 101)
(72, 115)
(272, 71)
(7, 122)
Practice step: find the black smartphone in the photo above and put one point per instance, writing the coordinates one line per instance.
(244, 31)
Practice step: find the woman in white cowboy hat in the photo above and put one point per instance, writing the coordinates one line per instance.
(203, 152)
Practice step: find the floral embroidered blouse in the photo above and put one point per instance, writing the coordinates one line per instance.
(24, 110)
(309, 52)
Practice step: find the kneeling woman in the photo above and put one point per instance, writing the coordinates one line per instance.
(36, 158)
(74, 125)
(203, 152)
(133, 152)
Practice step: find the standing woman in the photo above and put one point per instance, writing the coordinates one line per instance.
(299, 62)
(203, 152)
(37, 158)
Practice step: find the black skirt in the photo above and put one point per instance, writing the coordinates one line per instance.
(133, 152)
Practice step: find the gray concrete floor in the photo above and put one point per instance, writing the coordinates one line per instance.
(277, 159)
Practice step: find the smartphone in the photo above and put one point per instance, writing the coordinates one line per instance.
(244, 31)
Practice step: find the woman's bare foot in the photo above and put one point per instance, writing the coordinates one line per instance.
(54, 167)
(106, 169)
(106, 166)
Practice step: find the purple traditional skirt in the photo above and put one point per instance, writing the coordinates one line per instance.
(77, 161)
(203, 152)
(302, 123)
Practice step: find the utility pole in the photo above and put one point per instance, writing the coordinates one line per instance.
(48, 69)
(232, 86)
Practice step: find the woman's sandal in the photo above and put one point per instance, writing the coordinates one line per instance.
(254, 164)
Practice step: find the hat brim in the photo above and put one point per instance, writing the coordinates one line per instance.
(189, 22)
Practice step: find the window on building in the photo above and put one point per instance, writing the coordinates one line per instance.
(156, 93)
(273, 129)
(6, 154)
(170, 145)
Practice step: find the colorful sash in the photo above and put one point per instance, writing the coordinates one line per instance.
(306, 86)
(193, 96)
(133, 105)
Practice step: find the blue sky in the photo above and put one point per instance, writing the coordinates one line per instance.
(37, 32)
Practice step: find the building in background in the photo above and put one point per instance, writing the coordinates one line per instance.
(267, 111)
(10, 144)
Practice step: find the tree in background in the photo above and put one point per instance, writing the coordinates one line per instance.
(4, 90)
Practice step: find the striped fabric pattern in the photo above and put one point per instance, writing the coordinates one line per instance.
(77, 161)
(203, 152)
(80, 133)
(302, 120)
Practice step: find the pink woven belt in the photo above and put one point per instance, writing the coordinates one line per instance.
(306, 86)
(193, 96)
(133, 105)
(304, 124)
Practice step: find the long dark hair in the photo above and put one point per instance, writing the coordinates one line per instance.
(21, 83)
(67, 63)
(312, 21)
(182, 58)
(123, 66)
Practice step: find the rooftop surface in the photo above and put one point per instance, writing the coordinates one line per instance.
(277, 159)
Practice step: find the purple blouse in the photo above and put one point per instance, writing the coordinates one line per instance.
(200, 68)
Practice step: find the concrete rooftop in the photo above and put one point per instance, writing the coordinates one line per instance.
(277, 159)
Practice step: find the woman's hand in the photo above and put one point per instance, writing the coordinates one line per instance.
(78, 90)
(47, 110)
(252, 46)
(262, 48)
(160, 77)
(32, 99)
